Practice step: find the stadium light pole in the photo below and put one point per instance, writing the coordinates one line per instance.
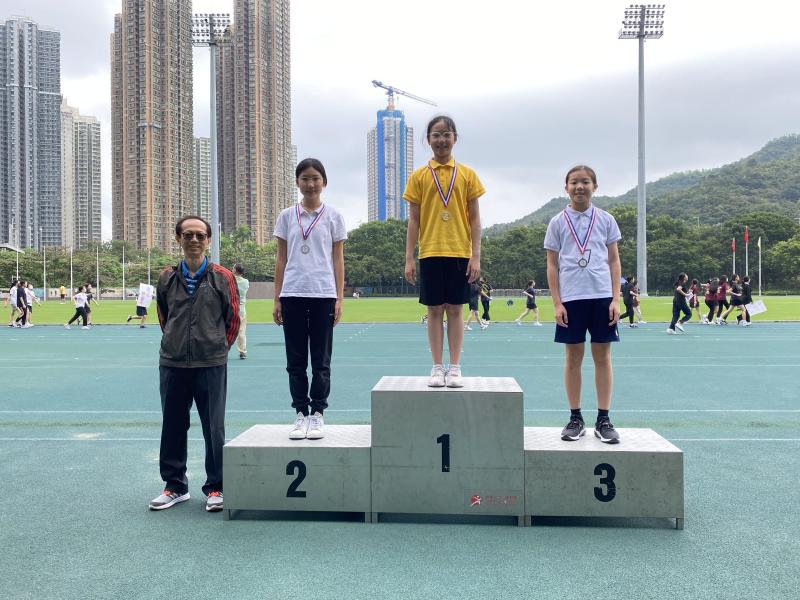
(641, 22)
(208, 29)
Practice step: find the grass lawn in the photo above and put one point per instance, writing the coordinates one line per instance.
(396, 310)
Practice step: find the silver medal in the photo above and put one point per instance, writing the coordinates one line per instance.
(305, 249)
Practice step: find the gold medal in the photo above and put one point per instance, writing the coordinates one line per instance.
(445, 215)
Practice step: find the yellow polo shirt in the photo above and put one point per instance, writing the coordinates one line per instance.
(439, 237)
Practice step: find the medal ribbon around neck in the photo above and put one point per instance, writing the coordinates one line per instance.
(307, 232)
(445, 199)
(585, 244)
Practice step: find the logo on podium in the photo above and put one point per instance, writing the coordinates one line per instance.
(475, 501)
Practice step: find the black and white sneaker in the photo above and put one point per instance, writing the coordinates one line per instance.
(574, 430)
(605, 431)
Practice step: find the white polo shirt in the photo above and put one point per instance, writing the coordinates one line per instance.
(593, 280)
(310, 274)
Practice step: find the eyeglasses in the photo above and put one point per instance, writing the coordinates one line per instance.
(189, 235)
(442, 135)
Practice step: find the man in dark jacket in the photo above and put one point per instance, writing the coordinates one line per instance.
(198, 309)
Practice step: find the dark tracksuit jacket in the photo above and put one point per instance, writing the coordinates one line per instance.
(198, 330)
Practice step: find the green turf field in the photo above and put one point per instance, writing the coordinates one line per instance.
(79, 437)
(399, 310)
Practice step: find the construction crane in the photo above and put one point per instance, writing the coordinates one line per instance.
(391, 91)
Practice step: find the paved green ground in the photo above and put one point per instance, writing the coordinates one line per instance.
(79, 428)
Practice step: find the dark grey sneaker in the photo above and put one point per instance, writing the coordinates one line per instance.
(574, 430)
(604, 430)
(166, 499)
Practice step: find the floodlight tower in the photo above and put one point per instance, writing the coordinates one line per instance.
(642, 21)
(208, 29)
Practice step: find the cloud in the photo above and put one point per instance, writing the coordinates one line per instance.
(532, 95)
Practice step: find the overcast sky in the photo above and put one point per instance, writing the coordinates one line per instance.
(534, 87)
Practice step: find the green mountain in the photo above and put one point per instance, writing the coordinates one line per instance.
(766, 181)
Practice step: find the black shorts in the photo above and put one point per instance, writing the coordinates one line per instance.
(473, 303)
(694, 302)
(587, 315)
(531, 305)
(736, 301)
(141, 311)
(443, 280)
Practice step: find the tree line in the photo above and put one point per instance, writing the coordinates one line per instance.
(375, 255)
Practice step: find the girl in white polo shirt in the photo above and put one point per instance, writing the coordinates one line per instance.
(583, 272)
(309, 287)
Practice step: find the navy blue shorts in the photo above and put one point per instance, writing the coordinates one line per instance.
(587, 315)
(443, 280)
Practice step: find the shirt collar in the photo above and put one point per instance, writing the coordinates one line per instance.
(314, 212)
(434, 165)
(200, 271)
(574, 214)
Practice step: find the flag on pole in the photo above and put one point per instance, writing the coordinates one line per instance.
(746, 236)
(759, 243)
(733, 244)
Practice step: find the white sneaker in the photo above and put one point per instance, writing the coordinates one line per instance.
(537, 324)
(214, 502)
(484, 325)
(437, 378)
(642, 322)
(518, 322)
(454, 377)
(300, 428)
(27, 325)
(167, 499)
(747, 323)
(85, 327)
(672, 331)
(467, 328)
(315, 425)
(680, 327)
(67, 326)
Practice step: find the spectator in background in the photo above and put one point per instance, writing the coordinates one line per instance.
(242, 285)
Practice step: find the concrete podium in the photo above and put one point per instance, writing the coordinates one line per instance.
(265, 470)
(640, 477)
(447, 450)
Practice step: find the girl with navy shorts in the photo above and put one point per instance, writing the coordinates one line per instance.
(583, 272)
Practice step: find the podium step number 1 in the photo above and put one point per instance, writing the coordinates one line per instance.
(447, 450)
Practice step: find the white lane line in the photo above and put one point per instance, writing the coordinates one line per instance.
(734, 440)
(158, 412)
(360, 410)
(89, 440)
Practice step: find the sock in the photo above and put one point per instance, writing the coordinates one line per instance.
(576, 412)
(602, 414)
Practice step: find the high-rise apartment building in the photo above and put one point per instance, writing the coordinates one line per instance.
(80, 178)
(202, 177)
(30, 134)
(390, 161)
(255, 167)
(151, 113)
